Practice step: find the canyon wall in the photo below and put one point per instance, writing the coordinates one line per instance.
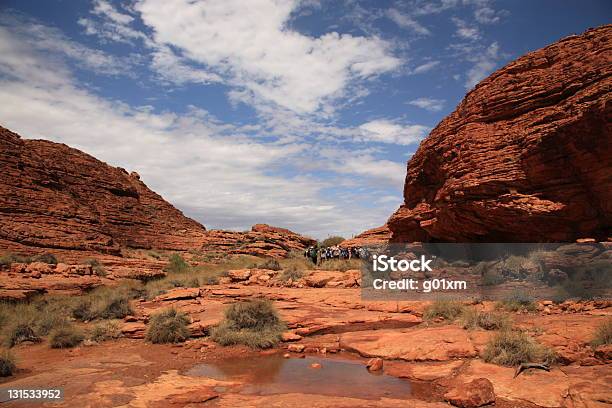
(526, 156)
(54, 196)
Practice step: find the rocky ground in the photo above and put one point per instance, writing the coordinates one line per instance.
(439, 361)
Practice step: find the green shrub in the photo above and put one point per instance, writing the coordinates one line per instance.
(332, 241)
(444, 308)
(66, 336)
(473, 319)
(168, 326)
(516, 301)
(107, 330)
(511, 347)
(603, 333)
(7, 363)
(176, 264)
(253, 323)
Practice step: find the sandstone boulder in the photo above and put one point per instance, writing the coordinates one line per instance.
(476, 393)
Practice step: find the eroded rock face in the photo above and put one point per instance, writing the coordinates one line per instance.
(526, 156)
(378, 235)
(55, 196)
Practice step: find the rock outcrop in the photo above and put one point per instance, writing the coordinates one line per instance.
(526, 156)
(54, 196)
(59, 199)
(378, 235)
(263, 240)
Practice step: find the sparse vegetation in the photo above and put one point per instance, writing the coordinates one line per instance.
(518, 300)
(107, 330)
(168, 326)
(474, 319)
(8, 258)
(96, 266)
(603, 334)
(271, 264)
(444, 308)
(332, 241)
(46, 258)
(177, 264)
(20, 331)
(253, 323)
(65, 336)
(291, 273)
(7, 363)
(513, 347)
(103, 303)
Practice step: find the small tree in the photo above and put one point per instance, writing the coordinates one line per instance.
(332, 241)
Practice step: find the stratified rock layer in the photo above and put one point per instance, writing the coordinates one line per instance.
(54, 196)
(526, 156)
(378, 235)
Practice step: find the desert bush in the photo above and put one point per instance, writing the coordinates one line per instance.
(518, 300)
(271, 264)
(291, 273)
(474, 319)
(107, 330)
(65, 336)
(46, 258)
(603, 333)
(512, 347)
(96, 266)
(176, 264)
(8, 258)
(20, 331)
(7, 363)
(253, 323)
(168, 326)
(332, 241)
(445, 308)
(104, 303)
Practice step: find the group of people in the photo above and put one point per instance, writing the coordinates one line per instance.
(320, 254)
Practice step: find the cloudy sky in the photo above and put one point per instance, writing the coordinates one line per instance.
(300, 114)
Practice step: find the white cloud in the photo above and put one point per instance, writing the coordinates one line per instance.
(219, 173)
(31, 34)
(386, 131)
(250, 45)
(465, 31)
(485, 63)
(407, 22)
(430, 104)
(426, 67)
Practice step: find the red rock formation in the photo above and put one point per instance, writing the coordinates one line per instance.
(526, 156)
(262, 240)
(55, 196)
(378, 235)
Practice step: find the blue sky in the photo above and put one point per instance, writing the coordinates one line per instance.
(301, 114)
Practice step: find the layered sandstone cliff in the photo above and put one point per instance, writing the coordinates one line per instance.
(526, 156)
(54, 196)
(378, 235)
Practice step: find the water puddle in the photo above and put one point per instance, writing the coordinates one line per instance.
(267, 375)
